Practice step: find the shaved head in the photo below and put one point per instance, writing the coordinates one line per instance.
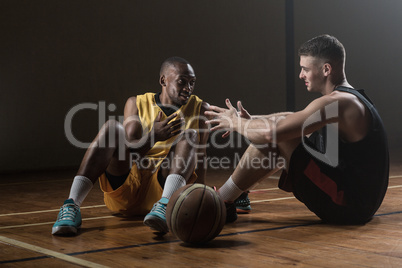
(172, 61)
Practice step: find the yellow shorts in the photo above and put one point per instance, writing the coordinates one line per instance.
(137, 195)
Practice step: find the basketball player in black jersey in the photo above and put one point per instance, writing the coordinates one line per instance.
(335, 150)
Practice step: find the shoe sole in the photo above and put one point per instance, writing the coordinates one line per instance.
(65, 230)
(243, 211)
(156, 223)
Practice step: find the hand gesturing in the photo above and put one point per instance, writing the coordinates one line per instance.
(163, 130)
(226, 119)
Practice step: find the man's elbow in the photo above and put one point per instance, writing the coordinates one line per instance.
(269, 137)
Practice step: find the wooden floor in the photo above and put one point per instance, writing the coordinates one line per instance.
(280, 232)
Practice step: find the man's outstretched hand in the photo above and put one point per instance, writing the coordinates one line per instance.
(226, 119)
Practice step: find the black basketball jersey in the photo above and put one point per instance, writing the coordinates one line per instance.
(363, 167)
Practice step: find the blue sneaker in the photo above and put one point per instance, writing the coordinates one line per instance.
(69, 219)
(156, 218)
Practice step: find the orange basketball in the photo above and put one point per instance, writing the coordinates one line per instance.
(195, 213)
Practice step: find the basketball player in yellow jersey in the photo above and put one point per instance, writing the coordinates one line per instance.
(143, 161)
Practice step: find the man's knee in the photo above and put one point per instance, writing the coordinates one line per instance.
(287, 148)
(112, 133)
(113, 124)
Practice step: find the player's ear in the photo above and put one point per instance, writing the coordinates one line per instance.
(162, 80)
(327, 69)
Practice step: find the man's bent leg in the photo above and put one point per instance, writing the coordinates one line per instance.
(180, 166)
(108, 152)
(287, 148)
(102, 154)
(255, 164)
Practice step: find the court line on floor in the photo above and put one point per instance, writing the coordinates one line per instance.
(110, 216)
(264, 190)
(273, 199)
(95, 218)
(95, 206)
(49, 253)
(52, 222)
(179, 241)
(69, 258)
(44, 211)
(394, 186)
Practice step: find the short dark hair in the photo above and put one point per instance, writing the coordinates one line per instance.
(171, 61)
(325, 47)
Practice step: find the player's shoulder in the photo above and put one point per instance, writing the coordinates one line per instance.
(134, 102)
(349, 107)
(205, 106)
(336, 96)
(195, 100)
(149, 96)
(339, 99)
(131, 106)
(345, 99)
(131, 101)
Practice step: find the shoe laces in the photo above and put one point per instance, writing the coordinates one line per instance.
(244, 201)
(68, 212)
(159, 208)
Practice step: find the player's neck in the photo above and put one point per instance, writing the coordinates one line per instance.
(330, 87)
(168, 109)
(166, 101)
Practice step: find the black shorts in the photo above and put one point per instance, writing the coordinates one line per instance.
(320, 188)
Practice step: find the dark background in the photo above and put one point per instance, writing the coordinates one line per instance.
(55, 55)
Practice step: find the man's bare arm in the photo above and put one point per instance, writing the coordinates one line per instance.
(273, 116)
(202, 150)
(272, 128)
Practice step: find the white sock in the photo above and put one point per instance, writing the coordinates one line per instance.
(229, 191)
(172, 184)
(80, 189)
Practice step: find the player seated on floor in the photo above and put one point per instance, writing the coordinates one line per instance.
(335, 149)
(143, 161)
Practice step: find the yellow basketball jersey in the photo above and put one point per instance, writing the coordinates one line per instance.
(148, 110)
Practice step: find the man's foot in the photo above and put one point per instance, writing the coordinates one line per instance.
(243, 204)
(69, 219)
(156, 218)
(231, 214)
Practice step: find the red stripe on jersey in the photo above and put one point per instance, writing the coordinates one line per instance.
(325, 183)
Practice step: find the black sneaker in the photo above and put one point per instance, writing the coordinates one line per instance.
(243, 204)
(231, 214)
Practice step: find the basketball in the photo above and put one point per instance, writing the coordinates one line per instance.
(195, 214)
